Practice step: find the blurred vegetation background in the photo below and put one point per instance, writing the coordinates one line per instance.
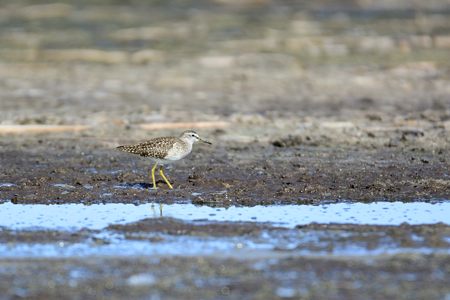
(347, 31)
(140, 61)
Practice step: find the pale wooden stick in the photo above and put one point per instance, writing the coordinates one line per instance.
(18, 129)
(187, 125)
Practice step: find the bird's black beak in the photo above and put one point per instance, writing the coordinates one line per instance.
(206, 142)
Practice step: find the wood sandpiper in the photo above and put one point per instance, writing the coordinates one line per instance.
(164, 150)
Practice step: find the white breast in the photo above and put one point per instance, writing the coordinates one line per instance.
(178, 151)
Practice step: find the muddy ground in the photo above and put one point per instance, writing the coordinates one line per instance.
(305, 103)
(194, 278)
(284, 272)
(52, 170)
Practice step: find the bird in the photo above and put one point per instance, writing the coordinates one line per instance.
(165, 150)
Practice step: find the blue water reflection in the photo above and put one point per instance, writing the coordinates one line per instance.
(98, 216)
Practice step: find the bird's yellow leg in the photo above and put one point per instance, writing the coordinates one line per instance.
(165, 178)
(153, 176)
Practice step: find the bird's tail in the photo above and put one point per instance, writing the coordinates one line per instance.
(124, 148)
(128, 148)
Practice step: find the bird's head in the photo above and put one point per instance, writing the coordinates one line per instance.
(191, 136)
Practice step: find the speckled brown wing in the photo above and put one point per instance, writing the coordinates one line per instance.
(156, 148)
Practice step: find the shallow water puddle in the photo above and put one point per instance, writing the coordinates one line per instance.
(268, 243)
(171, 246)
(98, 216)
(219, 247)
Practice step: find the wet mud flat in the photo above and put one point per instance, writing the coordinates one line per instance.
(400, 277)
(318, 260)
(317, 113)
(163, 257)
(48, 169)
(316, 102)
